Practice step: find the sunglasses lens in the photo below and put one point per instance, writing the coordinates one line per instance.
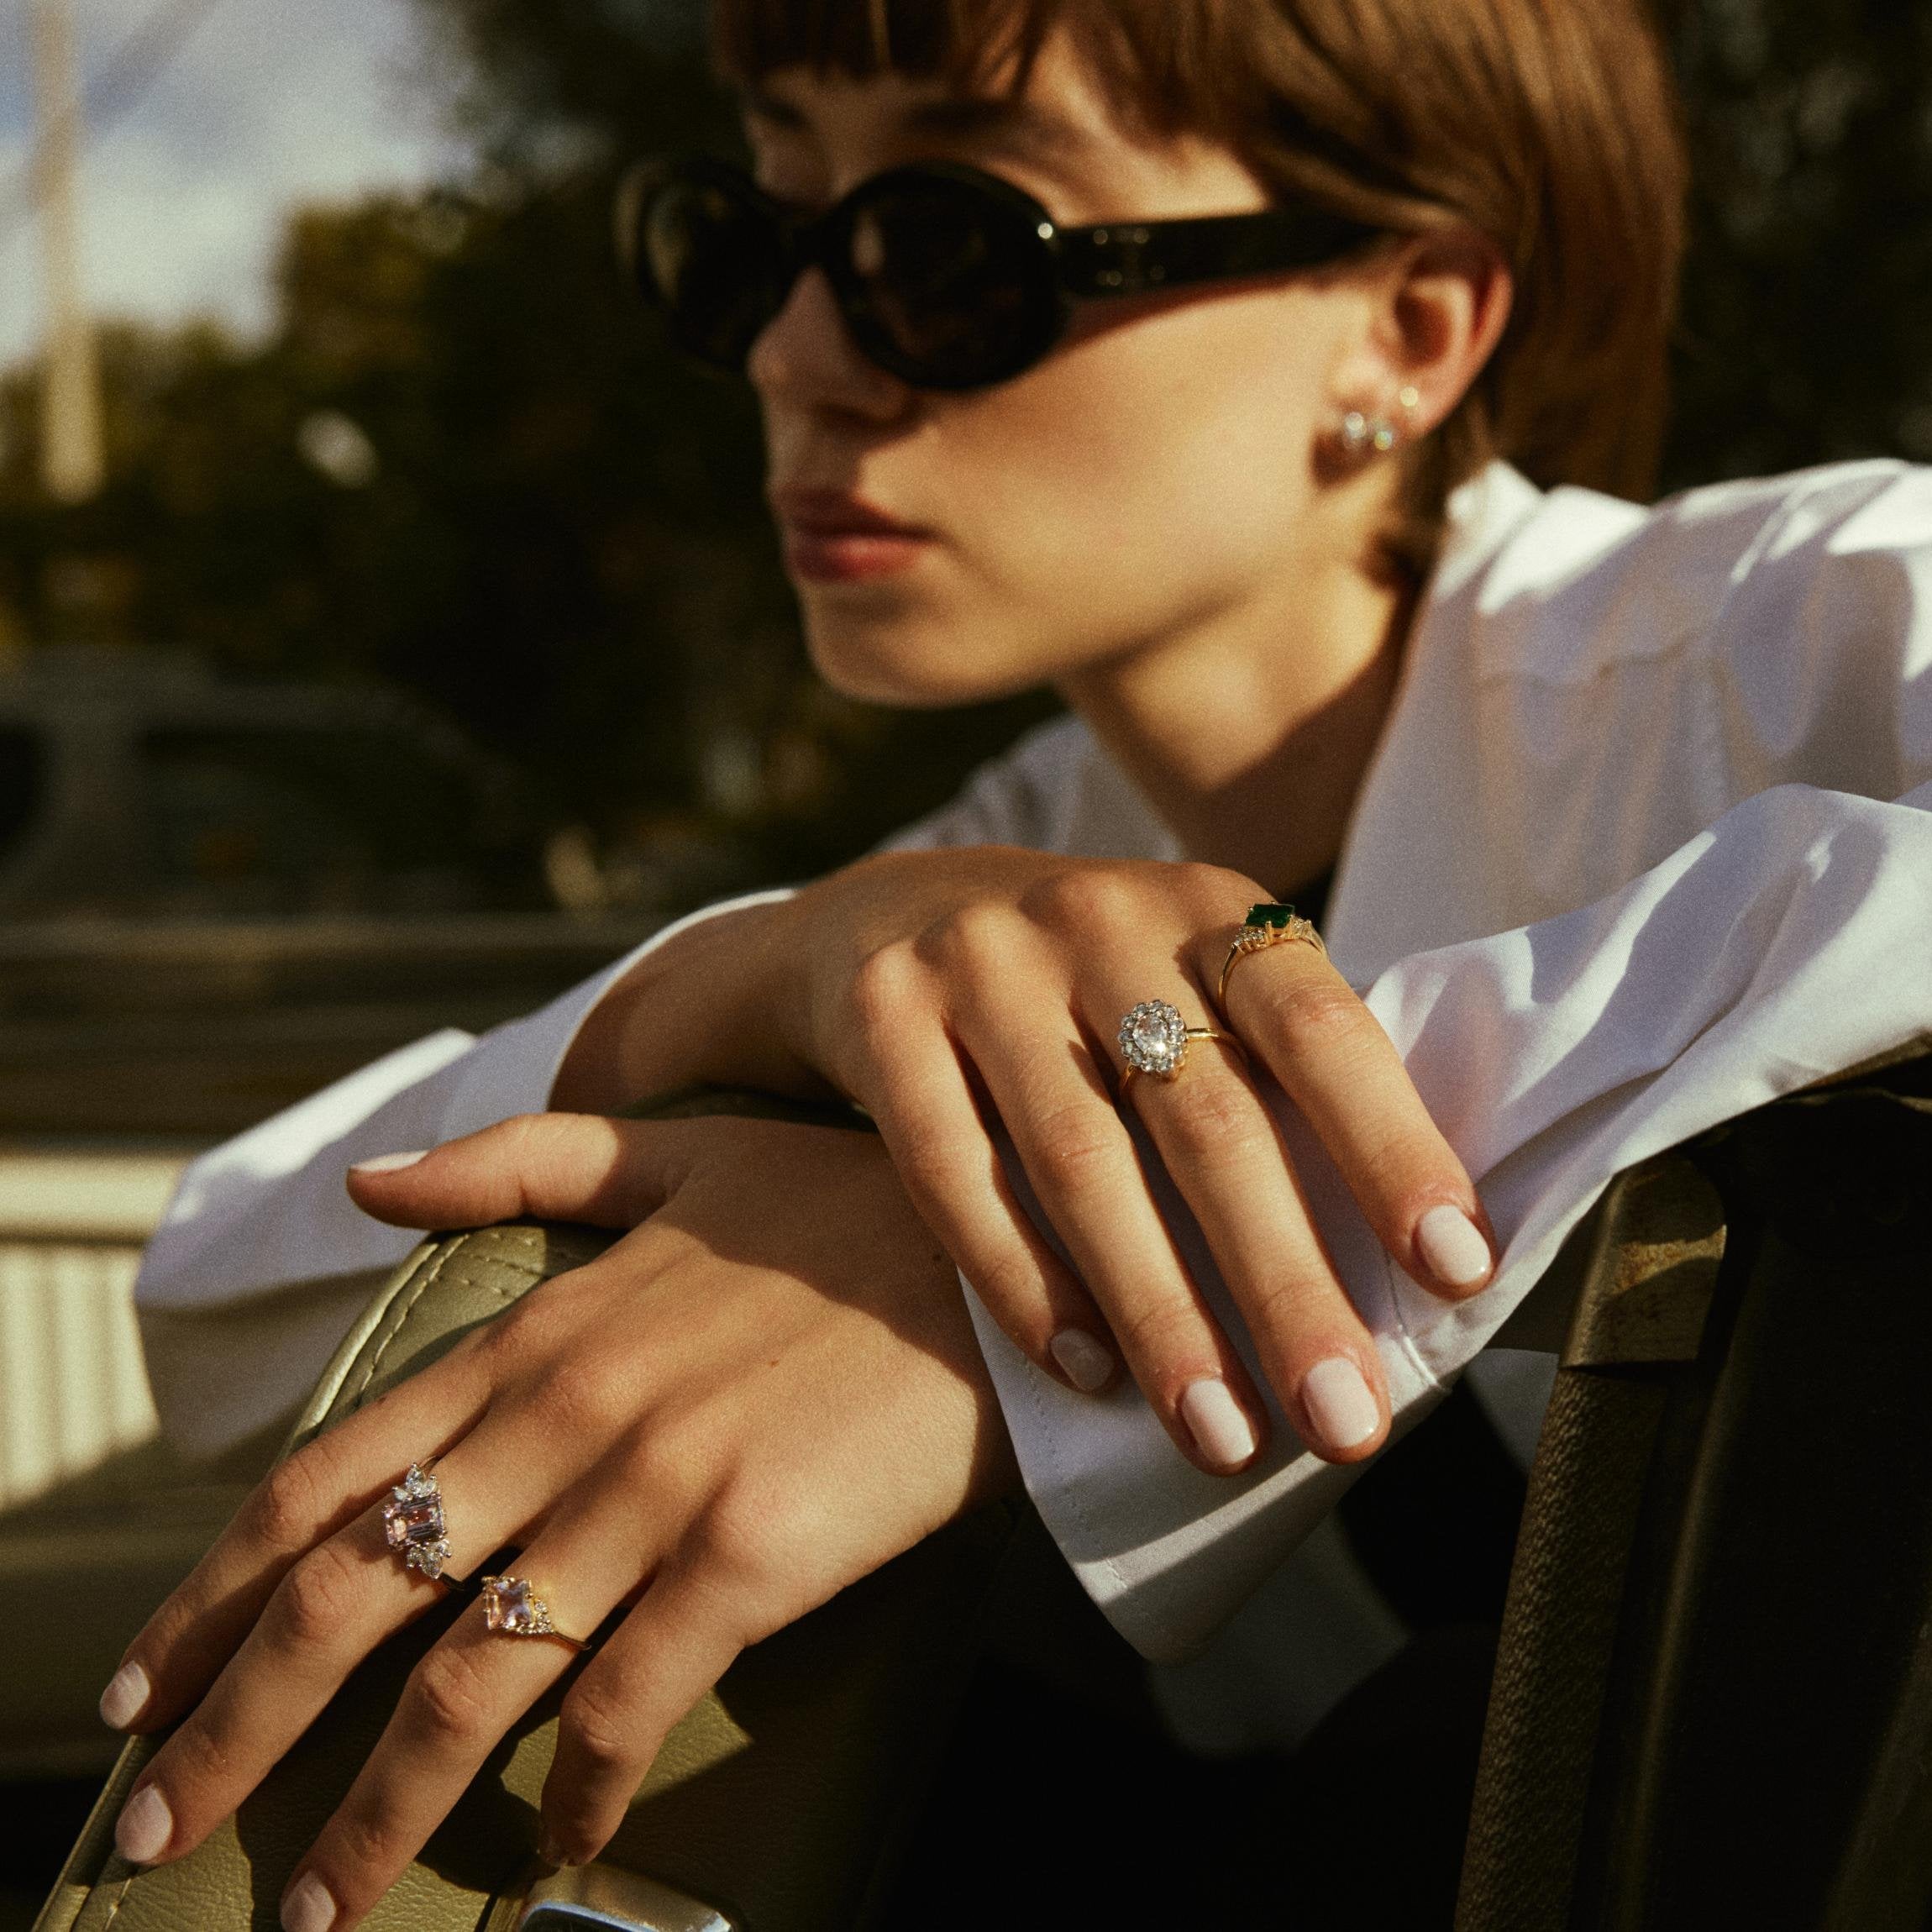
(714, 260)
(946, 284)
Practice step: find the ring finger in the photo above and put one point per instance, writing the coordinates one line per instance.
(1081, 1162)
(326, 1615)
(460, 1701)
(1225, 1152)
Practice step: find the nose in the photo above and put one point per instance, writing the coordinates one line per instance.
(806, 356)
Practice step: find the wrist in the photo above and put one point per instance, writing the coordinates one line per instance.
(703, 1007)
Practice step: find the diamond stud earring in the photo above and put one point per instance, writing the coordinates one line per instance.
(1362, 433)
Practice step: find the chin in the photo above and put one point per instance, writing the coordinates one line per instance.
(910, 664)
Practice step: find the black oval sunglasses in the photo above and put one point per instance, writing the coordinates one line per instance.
(947, 278)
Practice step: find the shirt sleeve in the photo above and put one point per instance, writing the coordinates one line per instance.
(263, 1223)
(1782, 945)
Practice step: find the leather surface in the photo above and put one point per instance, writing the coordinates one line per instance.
(777, 1798)
(1715, 1683)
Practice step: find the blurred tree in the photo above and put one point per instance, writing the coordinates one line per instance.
(1807, 329)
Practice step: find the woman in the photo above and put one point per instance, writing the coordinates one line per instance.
(1244, 514)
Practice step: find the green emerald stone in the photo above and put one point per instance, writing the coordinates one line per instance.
(1269, 914)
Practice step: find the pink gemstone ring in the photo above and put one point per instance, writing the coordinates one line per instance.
(412, 1524)
(512, 1608)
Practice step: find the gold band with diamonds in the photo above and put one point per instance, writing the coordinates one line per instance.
(513, 1609)
(1266, 926)
(1154, 1038)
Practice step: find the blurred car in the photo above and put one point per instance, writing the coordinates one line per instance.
(217, 897)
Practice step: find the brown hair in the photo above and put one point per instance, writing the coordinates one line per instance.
(1548, 125)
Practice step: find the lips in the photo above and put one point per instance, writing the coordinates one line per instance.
(831, 536)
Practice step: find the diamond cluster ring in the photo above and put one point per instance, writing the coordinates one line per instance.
(513, 1609)
(1154, 1038)
(1266, 925)
(412, 1524)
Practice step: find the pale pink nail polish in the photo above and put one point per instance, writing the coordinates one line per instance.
(1088, 1365)
(1215, 1421)
(142, 1831)
(1452, 1247)
(387, 1163)
(1340, 1406)
(127, 1692)
(308, 1906)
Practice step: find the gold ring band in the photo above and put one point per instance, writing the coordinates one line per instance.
(1190, 1034)
(1266, 926)
(513, 1609)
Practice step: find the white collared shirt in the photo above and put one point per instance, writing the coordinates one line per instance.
(1647, 842)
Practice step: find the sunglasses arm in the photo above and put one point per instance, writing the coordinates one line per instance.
(1136, 258)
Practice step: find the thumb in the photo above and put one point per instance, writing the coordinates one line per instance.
(543, 1166)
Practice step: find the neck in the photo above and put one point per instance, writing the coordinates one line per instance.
(1250, 731)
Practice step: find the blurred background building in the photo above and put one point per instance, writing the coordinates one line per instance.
(390, 627)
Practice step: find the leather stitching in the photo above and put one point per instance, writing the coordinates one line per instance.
(430, 1274)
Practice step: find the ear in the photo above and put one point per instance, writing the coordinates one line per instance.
(1439, 304)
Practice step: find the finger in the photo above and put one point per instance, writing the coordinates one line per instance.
(458, 1702)
(666, 1654)
(956, 1180)
(1332, 1057)
(307, 1498)
(554, 1167)
(1224, 1150)
(325, 1617)
(1077, 1153)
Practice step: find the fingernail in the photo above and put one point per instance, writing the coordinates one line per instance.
(1339, 1403)
(308, 1906)
(1088, 1366)
(142, 1831)
(1453, 1247)
(1215, 1421)
(126, 1692)
(385, 1164)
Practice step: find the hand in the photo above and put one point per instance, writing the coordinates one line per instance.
(766, 1390)
(925, 981)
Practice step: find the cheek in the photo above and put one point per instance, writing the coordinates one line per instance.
(1150, 473)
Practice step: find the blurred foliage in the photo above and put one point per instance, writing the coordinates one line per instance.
(466, 464)
(1807, 324)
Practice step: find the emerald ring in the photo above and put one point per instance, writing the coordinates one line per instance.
(1266, 925)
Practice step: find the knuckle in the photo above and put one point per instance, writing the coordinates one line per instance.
(1208, 1117)
(199, 1759)
(288, 1507)
(315, 1600)
(1156, 1330)
(1072, 1154)
(1009, 1282)
(591, 1397)
(970, 944)
(1095, 900)
(604, 1730)
(883, 988)
(447, 1698)
(1316, 1016)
